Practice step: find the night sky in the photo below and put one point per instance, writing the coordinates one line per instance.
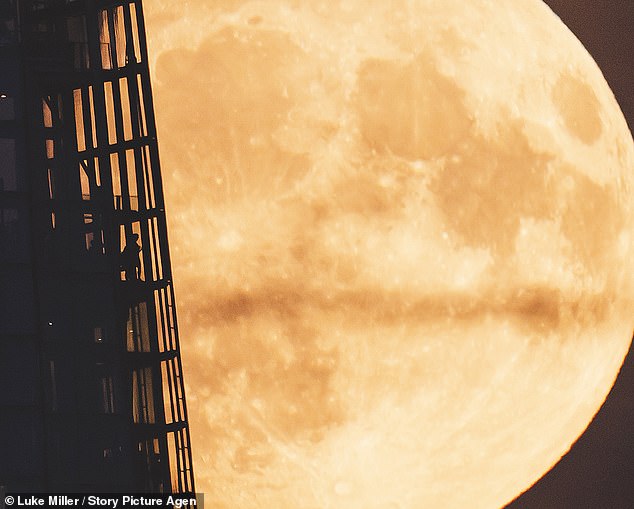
(598, 473)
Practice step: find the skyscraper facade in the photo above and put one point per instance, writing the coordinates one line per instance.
(91, 388)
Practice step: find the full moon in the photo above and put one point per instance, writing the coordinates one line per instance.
(402, 239)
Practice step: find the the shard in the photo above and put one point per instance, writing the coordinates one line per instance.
(91, 383)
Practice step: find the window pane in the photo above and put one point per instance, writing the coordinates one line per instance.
(16, 294)
(7, 107)
(18, 372)
(7, 31)
(7, 168)
(13, 234)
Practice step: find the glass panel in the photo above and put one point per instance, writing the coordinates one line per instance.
(148, 179)
(50, 149)
(141, 106)
(149, 394)
(18, 372)
(171, 447)
(104, 40)
(84, 180)
(77, 37)
(119, 29)
(135, 32)
(13, 233)
(53, 386)
(93, 123)
(112, 127)
(16, 294)
(7, 107)
(131, 171)
(116, 181)
(107, 394)
(130, 335)
(125, 109)
(7, 31)
(143, 396)
(47, 115)
(8, 180)
(99, 334)
(138, 331)
(144, 330)
(167, 391)
(79, 120)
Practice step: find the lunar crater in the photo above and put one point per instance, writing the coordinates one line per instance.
(579, 108)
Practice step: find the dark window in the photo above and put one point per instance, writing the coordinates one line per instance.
(19, 372)
(7, 107)
(138, 329)
(99, 334)
(8, 181)
(78, 38)
(143, 396)
(53, 386)
(7, 31)
(13, 234)
(107, 394)
(16, 294)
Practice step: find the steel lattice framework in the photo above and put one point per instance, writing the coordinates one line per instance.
(88, 321)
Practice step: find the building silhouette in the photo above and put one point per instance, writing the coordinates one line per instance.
(91, 388)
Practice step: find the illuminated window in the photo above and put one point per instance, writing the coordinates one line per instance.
(125, 109)
(141, 106)
(135, 33)
(99, 334)
(47, 114)
(130, 161)
(84, 180)
(110, 112)
(104, 40)
(79, 120)
(120, 36)
(115, 175)
(148, 180)
(50, 149)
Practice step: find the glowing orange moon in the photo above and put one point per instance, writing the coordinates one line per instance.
(403, 234)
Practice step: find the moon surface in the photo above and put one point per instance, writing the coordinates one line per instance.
(402, 241)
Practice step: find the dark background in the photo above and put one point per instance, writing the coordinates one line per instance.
(598, 472)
